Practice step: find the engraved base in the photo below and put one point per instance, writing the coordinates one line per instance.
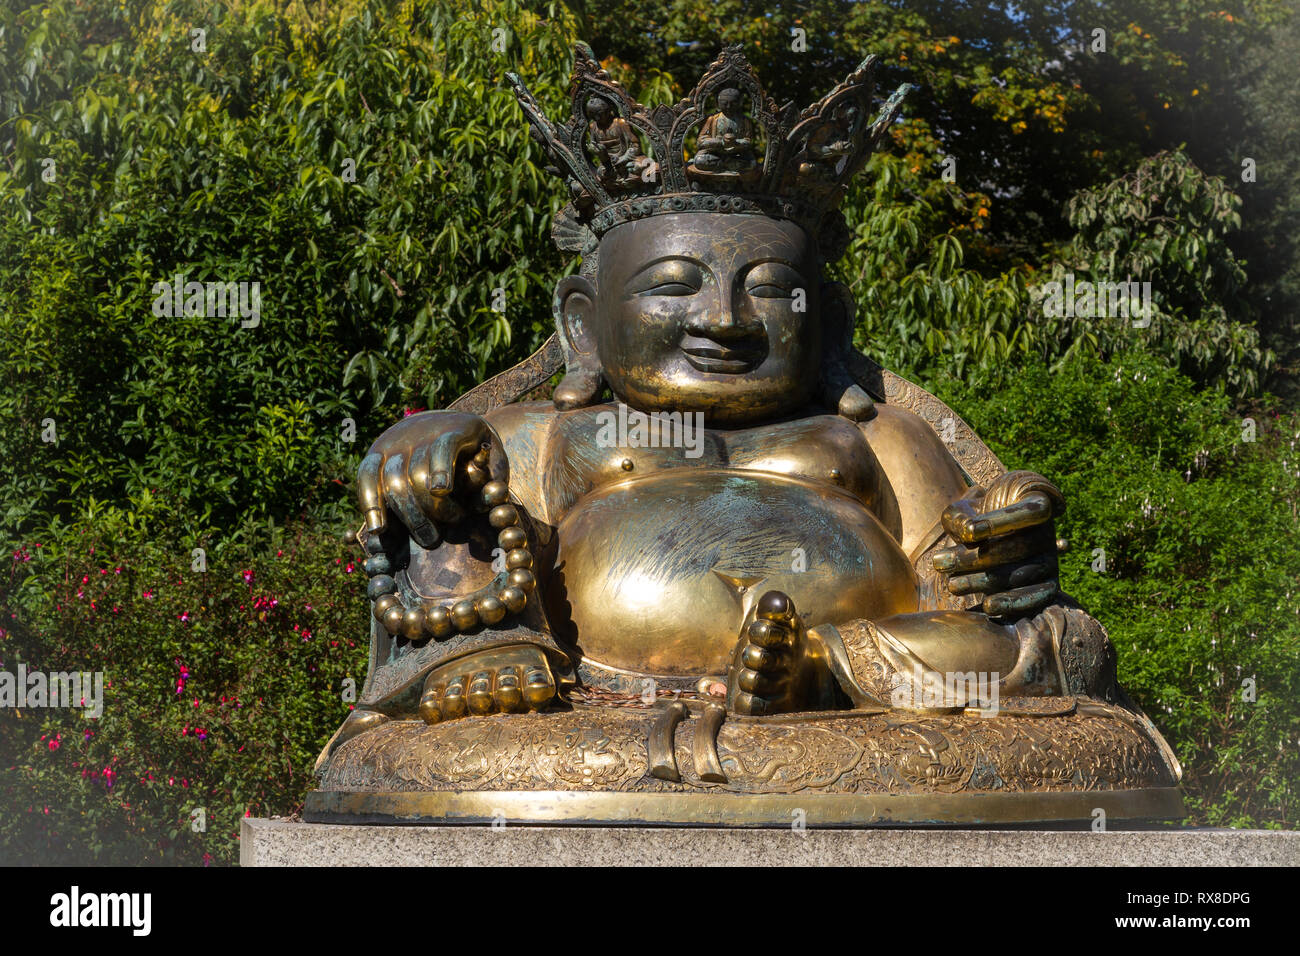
(1040, 760)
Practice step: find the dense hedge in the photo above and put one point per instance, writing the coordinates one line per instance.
(1181, 515)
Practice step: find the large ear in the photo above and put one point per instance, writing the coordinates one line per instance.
(839, 391)
(574, 307)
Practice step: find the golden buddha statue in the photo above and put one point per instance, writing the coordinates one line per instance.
(731, 570)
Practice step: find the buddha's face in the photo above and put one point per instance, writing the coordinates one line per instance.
(601, 112)
(729, 101)
(709, 312)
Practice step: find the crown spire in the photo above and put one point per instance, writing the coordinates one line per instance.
(726, 147)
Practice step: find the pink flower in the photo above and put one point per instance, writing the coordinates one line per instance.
(54, 745)
(248, 577)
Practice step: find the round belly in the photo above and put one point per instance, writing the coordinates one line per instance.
(656, 574)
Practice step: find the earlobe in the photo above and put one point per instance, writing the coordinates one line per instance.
(574, 308)
(838, 389)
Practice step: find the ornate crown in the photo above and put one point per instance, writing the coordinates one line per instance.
(748, 155)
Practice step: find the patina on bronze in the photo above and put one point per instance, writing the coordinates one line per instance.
(754, 582)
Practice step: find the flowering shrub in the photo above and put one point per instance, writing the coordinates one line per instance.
(219, 689)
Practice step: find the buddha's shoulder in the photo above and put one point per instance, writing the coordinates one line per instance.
(523, 427)
(908, 447)
(892, 425)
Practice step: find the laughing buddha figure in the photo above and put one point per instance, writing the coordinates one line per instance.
(727, 541)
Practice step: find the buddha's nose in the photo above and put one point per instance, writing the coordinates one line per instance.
(725, 321)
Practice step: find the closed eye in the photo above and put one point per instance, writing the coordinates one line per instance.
(674, 276)
(768, 290)
(669, 288)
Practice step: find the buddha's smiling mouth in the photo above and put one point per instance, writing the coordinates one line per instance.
(709, 356)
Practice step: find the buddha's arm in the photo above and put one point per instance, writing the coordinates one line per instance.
(451, 528)
(986, 559)
(708, 138)
(921, 479)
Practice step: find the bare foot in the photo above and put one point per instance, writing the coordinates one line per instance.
(504, 680)
(768, 664)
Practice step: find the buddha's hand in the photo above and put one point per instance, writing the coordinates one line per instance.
(424, 470)
(499, 680)
(1007, 547)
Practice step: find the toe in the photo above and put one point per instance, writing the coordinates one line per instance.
(506, 691)
(776, 606)
(768, 633)
(453, 699)
(431, 703)
(762, 658)
(755, 682)
(480, 693)
(539, 687)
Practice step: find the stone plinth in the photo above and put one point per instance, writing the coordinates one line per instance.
(286, 843)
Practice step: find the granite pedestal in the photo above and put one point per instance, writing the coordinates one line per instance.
(291, 843)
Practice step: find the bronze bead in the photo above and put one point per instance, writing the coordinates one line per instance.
(463, 615)
(522, 579)
(502, 516)
(512, 537)
(490, 610)
(383, 604)
(513, 598)
(393, 618)
(495, 493)
(519, 558)
(378, 564)
(627, 464)
(380, 585)
(437, 621)
(475, 475)
(413, 623)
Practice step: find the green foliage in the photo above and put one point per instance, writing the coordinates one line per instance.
(1196, 526)
(922, 310)
(236, 164)
(1166, 222)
